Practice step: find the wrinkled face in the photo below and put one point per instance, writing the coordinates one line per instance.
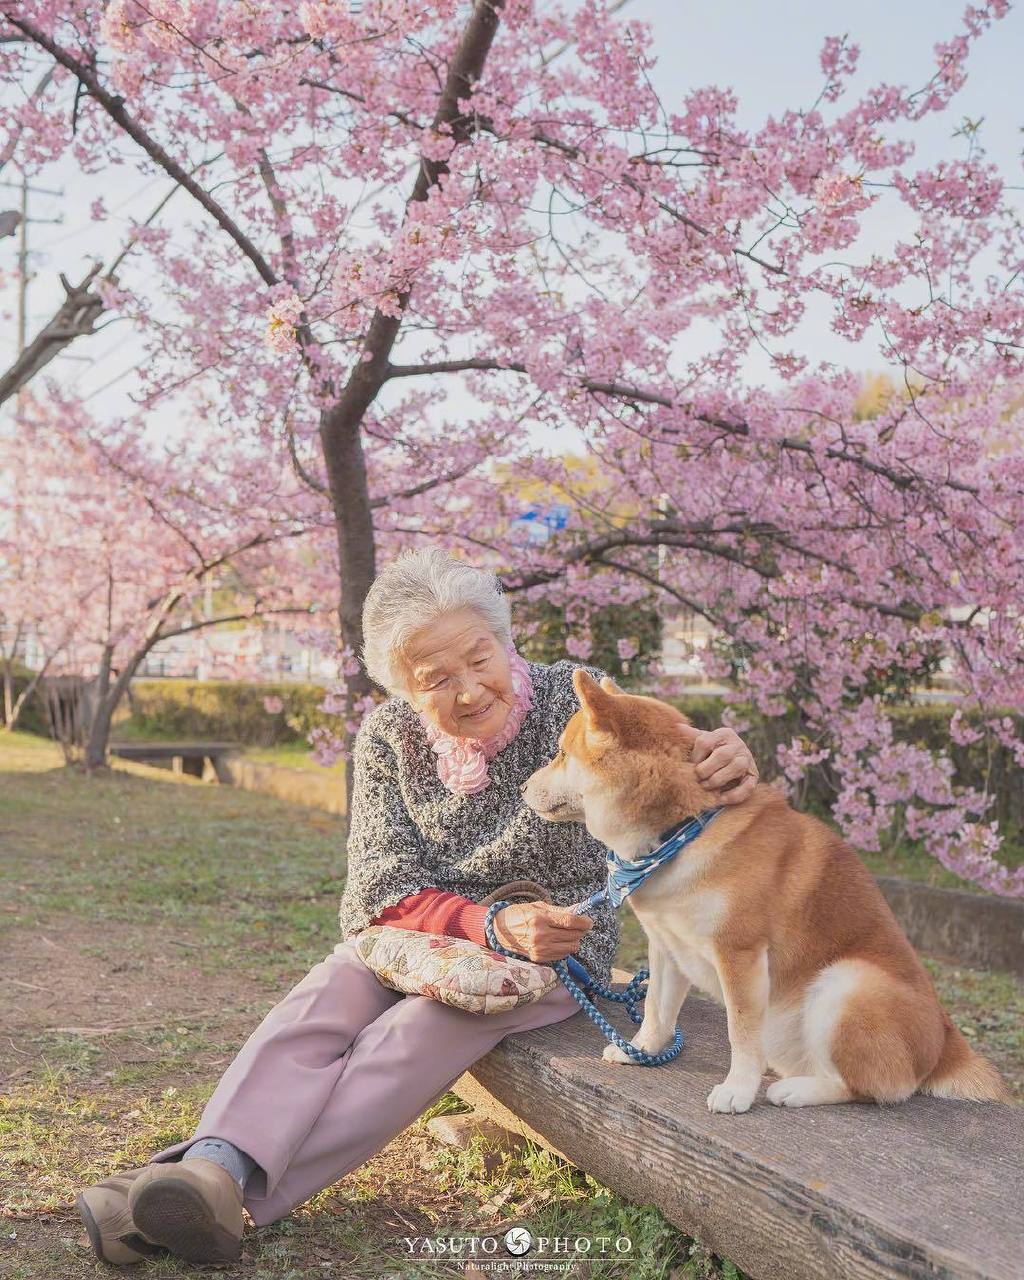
(459, 676)
(556, 791)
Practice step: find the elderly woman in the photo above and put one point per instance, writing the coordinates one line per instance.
(343, 1063)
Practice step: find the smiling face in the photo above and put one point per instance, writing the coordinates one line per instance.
(459, 676)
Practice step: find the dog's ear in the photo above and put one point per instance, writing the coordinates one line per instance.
(585, 685)
(597, 704)
(609, 685)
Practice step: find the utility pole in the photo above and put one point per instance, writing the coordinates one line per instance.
(17, 476)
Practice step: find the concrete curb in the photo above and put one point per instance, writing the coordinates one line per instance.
(974, 928)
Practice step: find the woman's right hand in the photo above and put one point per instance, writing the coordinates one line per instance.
(540, 930)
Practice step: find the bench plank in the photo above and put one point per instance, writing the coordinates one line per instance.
(185, 757)
(929, 1188)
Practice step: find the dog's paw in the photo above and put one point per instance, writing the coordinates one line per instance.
(806, 1091)
(612, 1053)
(732, 1097)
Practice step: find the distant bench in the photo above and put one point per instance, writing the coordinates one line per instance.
(929, 1188)
(185, 757)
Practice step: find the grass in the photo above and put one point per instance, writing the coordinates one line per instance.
(292, 755)
(146, 932)
(226, 864)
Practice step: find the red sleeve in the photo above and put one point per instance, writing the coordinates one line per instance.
(435, 911)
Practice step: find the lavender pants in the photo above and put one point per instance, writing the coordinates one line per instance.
(337, 1069)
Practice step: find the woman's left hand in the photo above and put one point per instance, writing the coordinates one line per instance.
(723, 761)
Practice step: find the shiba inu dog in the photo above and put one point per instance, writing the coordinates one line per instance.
(769, 912)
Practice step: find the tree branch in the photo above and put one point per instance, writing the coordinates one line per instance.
(595, 552)
(466, 66)
(635, 572)
(75, 317)
(425, 487)
(902, 480)
(231, 617)
(113, 105)
(7, 154)
(574, 153)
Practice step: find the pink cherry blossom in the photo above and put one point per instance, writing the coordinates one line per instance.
(359, 245)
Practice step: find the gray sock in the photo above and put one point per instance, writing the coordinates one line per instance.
(224, 1153)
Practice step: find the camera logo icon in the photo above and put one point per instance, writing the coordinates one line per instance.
(518, 1240)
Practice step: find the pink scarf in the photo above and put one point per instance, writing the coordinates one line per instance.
(462, 762)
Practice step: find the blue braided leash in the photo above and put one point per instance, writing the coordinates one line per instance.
(623, 879)
(630, 997)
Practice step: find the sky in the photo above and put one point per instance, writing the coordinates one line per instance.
(767, 53)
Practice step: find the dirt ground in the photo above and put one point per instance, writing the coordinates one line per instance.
(84, 983)
(121, 1020)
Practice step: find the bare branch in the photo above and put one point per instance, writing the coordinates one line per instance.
(75, 317)
(299, 469)
(634, 571)
(426, 486)
(453, 366)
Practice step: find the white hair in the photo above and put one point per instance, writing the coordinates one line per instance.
(412, 592)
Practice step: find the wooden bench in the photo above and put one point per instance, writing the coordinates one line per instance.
(185, 757)
(928, 1188)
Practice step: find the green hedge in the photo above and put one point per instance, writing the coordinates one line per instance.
(227, 710)
(33, 714)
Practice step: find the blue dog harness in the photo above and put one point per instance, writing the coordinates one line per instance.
(624, 878)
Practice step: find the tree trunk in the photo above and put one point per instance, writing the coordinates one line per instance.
(341, 424)
(345, 464)
(8, 697)
(99, 734)
(108, 699)
(99, 721)
(13, 707)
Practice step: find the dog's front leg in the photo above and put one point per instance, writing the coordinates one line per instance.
(743, 975)
(667, 989)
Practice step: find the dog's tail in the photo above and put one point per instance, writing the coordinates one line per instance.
(962, 1073)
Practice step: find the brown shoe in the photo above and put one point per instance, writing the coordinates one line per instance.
(192, 1207)
(113, 1235)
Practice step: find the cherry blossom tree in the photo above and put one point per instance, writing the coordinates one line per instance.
(396, 202)
(41, 595)
(111, 549)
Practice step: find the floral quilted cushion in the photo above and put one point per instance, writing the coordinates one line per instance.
(456, 971)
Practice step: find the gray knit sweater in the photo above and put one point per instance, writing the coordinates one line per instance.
(409, 832)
